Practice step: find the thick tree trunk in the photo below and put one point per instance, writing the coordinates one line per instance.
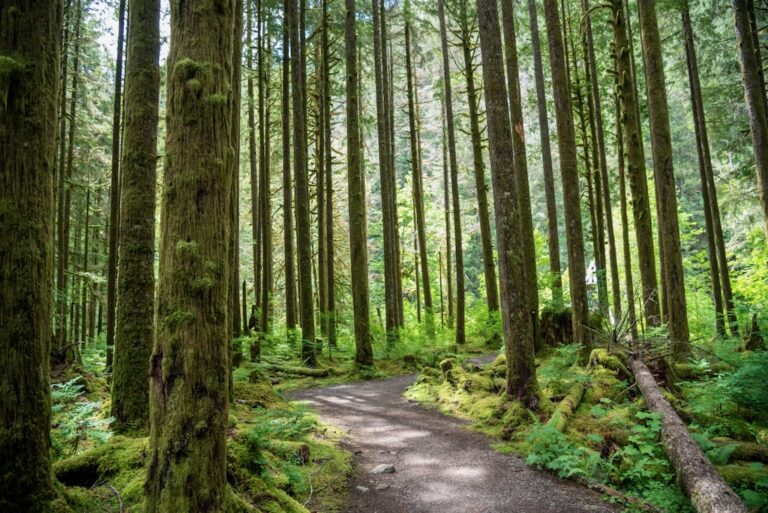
(454, 173)
(114, 189)
(566, 140)
(330, 277)
(638, 182)
(136, 250)
(189, 367)
(707, 490)
(515, 304)
(553, 236)
(30, 45)
(486, 235)
(521, 166)
(265, 191)
(290, 276)
(754, 96)
(661, 138)
(358, 244)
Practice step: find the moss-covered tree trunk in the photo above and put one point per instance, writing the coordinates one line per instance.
(661, 138)
(566, 140)
(636, 174)
(234, 207)
(447, 209)
(330, 277)
(521, 164)
(114, 187)
(358, 243)
(518, 330)
(454, 174)
(189, 366)
(252, 160)
(29, 83)
(468, 48)
(265, 192)
(136, 280)
(754, 95)
(285, 115)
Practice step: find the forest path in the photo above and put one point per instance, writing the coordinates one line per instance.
(439, 465)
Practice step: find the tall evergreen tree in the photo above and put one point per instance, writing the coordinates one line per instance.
(189, 383)
(136, 250)
(29, 50)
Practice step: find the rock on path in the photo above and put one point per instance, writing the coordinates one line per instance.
(440, 467)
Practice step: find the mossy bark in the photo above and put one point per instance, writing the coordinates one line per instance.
(566, 407)
(518, 330)
(672, 260)
(566, 140)
(30, 42)
(189, 365)
(454, 174)
(136, 281)
(330, 329)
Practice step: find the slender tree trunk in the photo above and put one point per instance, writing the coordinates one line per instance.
(515, 304)
(290, 276)
(603, 163)
(190, 361)
(486, 235)
(638, 183)
(265, 203)
(356, 184)
(553, 238)
(114, 189)
(86, 255)
(627, 254)
(330, 277)
(320, 146)
(447, 208)
(665, 179)
(303, 235)
(136, 249)
(709, 182)
(234, 132)
(454, 173)
(754, 96)
(252, 159)
(521, 166)
(703, 155)
(416, 178)
(566, 140)
(30, 44)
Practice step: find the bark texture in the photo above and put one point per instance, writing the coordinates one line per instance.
(136, 279)
(189, 367)
(29, 82)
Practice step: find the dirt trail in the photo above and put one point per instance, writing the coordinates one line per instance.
(440, 467)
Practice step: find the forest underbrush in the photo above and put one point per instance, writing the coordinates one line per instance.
(592, 425)
(280, 458)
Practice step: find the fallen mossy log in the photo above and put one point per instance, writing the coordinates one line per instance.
(744, 451)
(706, 488)
(690, 371)
(614, 362)
(566, 407)
(745, 475)
(300, 371)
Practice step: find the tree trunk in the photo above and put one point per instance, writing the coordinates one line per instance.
(447, 208)
(190, 361)
(114, 189)
(665, 180)
(290, 276)
(264, 189)
(330, 317)
(234, 132)
(566, 140)
(521, 166)
(638, 183)
(136, 249)
(30, 45)
(515, 304)
(704, 162)
(754, 96)
(454, 173)
(700, 481)
(553, 237)
(252, 159)
(358, 244)
(486, 235)
(416, 178)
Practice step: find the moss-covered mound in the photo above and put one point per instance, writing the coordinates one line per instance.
(279, 460)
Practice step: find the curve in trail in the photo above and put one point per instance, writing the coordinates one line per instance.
(440, 467)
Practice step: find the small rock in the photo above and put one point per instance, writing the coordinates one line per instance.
(382, 487)
(383, 469)
(362, 489)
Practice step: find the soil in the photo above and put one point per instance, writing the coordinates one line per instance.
(440, 466)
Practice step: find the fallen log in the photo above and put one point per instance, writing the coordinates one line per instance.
(300, 371)
(690, 371)
(566, 407)
(706, 488)
(744, 451)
